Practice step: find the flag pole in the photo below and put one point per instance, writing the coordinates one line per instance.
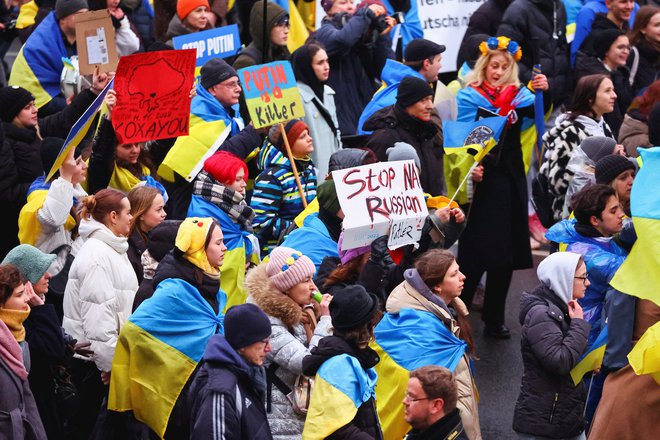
(469, 173)
(303, 196)
(586, 402)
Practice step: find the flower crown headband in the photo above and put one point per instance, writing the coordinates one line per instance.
(501, 43)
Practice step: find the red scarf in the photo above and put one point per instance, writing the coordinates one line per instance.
(500, 98)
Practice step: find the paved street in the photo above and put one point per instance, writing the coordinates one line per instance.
(499, 369)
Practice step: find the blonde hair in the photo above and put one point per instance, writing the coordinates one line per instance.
(478, 75)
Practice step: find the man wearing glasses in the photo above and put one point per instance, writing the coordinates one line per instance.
(430, 405)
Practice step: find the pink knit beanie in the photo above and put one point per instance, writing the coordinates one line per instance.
(288, 267)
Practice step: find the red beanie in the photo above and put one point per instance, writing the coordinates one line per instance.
(185, 7)
(223, 166)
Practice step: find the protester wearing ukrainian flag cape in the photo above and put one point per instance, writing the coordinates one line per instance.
(212, 111)
(422, 327)
(159, 347)
(496, 239)
(219, 192)
(342, 403)
(38, 66)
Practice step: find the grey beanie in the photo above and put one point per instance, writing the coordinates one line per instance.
(64, 8)
(403, 151)
(215, 71)
(32, 263)
(597, 147)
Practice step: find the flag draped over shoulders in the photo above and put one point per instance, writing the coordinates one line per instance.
(39, 65)
(341, 386)
(158, 349)
(405, 341)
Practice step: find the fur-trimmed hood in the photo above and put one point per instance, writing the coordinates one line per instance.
(272, 301)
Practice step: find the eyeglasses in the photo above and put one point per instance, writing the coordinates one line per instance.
(409, 398)
(231, 85)
(584, 278)
(266, 342)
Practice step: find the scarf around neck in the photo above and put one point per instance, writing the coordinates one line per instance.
(231, 202)
(11, 353)
(14, 319)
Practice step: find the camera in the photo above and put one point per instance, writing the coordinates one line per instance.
(399, 17)
(381, 23)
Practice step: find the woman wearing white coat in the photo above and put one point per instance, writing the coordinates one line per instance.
(99, 294)
(311, 68)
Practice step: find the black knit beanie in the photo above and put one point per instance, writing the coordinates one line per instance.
(12, 101)
(215, 71)
(611, 166)
(412, 90)
(64, 8)
(246, 324)
(604, 39)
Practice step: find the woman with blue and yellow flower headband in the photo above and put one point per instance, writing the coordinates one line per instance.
(496, 239)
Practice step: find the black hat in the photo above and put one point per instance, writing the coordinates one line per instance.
(611, 166)
(654, 125)
(421, 49)
(50, 149)
(64, 8)
(246, 324)
(604, 39)
(12, 101)
(215, 71)
(352, 307)
(327, 196)
(411, 90)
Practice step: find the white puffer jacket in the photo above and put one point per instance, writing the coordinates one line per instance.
(100, 291)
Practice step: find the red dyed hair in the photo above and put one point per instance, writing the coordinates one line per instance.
(649, 98)
(223, 166)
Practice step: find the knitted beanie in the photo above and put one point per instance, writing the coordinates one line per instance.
(64, 8)
(215, 71)
(12, 101)
(604, 39)
(246, 324)
(185, 7)
(32, 263)
(402, 151)
(288, 267)
(293, 129)
(327, 196)
(411, 90)
(597, 147)
(421, 49)
(352, 307)
(611, 166)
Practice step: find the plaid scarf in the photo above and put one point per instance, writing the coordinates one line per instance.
(230, 201)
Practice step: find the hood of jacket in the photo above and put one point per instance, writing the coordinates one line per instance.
(274, 13)
(90, 228)
(557, 272)
(416, 282)
(26, 135)
(593, 127)
(272, 301)
(218, 350)
(333, 346)
(173, 267)
(392, 117)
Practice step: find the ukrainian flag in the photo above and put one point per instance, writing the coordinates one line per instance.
(592, 359)
(27, 15)
(158, 349)
(411, 28)
(639, 275)
(645, 356)
(341, 386)
(240, 250)
(474, 137)
(208, 120)
(39, 65)
(404, 342)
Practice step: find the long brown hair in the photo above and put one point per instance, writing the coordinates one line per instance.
(585, 95)
(347, 273)
(362, 335)
(10, 278)
(642, 19)
(141, 199)
(432, 267)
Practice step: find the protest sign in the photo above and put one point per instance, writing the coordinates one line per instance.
(271, 93)
(381, 199)
(78, 131)
(95, 42)
(220, 42)
(153, 95)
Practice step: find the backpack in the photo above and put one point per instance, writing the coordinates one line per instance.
(542, 200)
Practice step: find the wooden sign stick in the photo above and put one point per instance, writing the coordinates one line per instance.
(293, 166)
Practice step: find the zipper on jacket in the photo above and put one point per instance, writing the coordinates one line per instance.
(554, 404)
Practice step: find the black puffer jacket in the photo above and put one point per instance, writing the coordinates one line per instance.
(391, 125)
(549, 404)
(541, 25)
(365, 424)
(485, 20)
(648, 68)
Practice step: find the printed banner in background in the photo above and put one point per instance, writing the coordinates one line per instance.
(271, 93)
(153, 95)
(381, 199)
(220, 42)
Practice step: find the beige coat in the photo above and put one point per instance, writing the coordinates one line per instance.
(632, 134)
(404, 296)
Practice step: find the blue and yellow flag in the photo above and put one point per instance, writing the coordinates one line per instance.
(158, 349)
(639, 275)
(341, 386)
(645, 356)
(410, 29)
(38, 66)
(592, 359)
(27, 15)
(239, 250)
(298, 32)
(474, 137)
(404, 342)
(208, 120)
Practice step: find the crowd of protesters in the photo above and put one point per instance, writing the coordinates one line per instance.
(136, 304)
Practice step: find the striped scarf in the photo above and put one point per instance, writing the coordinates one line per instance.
(230, 201)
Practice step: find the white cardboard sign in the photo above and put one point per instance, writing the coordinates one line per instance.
(384, 198)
